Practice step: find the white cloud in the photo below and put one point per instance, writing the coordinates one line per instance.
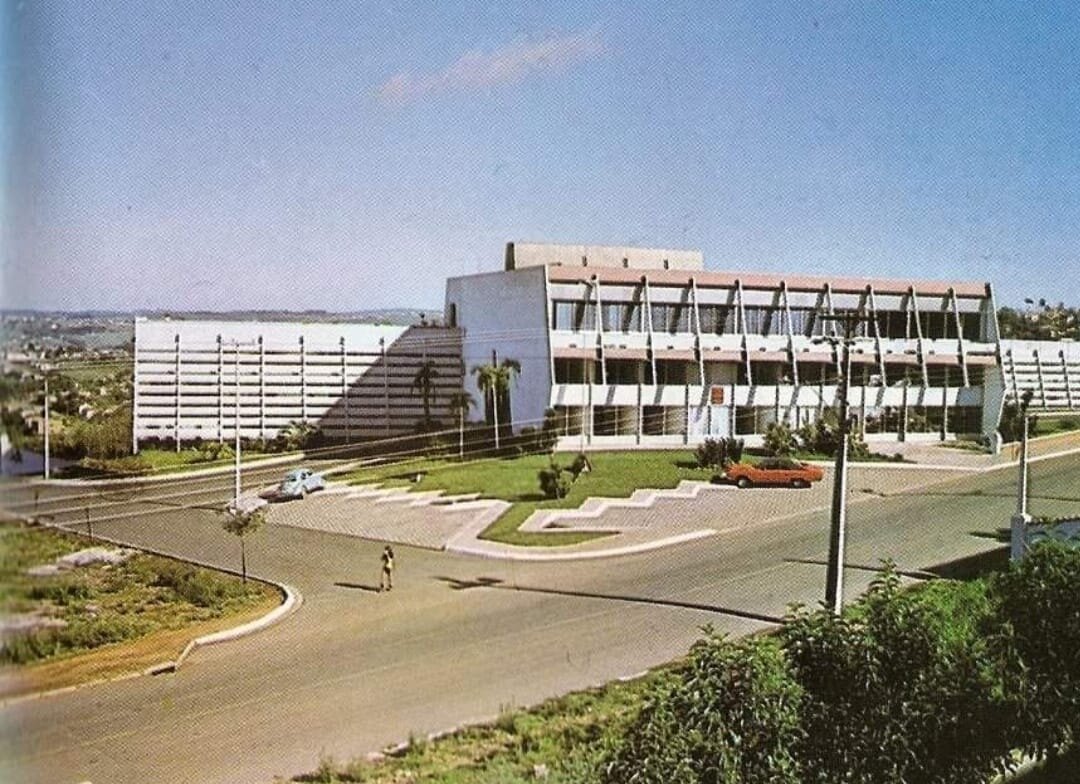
(477, 69)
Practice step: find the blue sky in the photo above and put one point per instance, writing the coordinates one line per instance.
(349, 156)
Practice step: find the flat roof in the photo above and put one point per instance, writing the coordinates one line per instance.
(546, 254)
(766, 280)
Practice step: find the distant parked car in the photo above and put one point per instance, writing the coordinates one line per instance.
(298, 483)
(774, 471)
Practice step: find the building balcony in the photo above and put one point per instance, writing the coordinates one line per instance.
(783, 395)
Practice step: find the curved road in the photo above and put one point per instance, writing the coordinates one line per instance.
(458, 638)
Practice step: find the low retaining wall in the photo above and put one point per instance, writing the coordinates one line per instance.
(1028, 531)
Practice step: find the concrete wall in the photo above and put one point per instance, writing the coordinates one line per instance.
(354, 381)
(1049, 369)
(526, 254)
(506, 312)
(1027, 533)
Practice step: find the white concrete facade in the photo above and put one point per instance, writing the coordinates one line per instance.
(665, 353)
(1049, 369)
(629, 346)
(507, 320)
(199, 380)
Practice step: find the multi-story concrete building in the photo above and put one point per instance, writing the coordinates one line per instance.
(635, 346)
(202, 379)
(629, 346)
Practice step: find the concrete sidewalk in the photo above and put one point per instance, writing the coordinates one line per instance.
(647, 520)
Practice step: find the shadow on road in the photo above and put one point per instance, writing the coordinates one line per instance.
(973, 566)
(359, 587)
(915, 574)
(457, 584)
(1000, 535)
(976, 494)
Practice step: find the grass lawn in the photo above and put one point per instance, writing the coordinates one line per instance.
(614, 475)
(966, 446)
(561, 734)
(1048, 424)
(115, 618)
(156, 461)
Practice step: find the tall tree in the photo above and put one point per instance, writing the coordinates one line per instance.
(494, 382)
(243, 522)
(1039, 320)
(297, 435)
(460, 403)
(424, 381)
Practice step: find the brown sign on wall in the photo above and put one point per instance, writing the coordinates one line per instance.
(716, 396)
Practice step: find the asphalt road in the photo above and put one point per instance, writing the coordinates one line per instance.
(458, 639)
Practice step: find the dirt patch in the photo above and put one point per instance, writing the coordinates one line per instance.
(124, 658)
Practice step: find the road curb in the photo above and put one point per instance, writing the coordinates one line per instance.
(293, 600)
(482, 550)
(198, 473)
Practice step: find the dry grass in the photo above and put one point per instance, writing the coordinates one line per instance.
(122, 658)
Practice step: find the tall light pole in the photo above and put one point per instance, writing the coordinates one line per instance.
(834, 576)
(236, 412)
(1022, 493)
(45, 425)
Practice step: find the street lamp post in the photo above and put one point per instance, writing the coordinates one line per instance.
(236, 413)
(45, 424)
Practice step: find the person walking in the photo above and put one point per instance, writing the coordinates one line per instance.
(386, 580)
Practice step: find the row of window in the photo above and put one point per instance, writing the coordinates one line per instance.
(760, 320)
(752, 420)
(680, 372)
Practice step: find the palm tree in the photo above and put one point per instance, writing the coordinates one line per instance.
(297, 435)
(424, 380)
(461, 402)
(494, 380)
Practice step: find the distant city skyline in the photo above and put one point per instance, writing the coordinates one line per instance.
(352, 158)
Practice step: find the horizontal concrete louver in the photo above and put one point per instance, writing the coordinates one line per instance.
(187, 385)
(1050, 370)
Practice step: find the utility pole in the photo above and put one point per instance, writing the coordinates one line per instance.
(1022, 494)
(834, 577)
(584, 381)
(46, 423)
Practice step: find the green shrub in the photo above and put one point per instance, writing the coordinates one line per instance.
(580, 465)
(201, 587)
(211, 451)
(1038, 624)
(897, 689)
(731, 716)
(779, 440)
(81, 634)
(719, 452)
(62, 593)
(822, 435)
(555, 481)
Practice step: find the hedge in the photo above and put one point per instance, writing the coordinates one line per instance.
(939, 684)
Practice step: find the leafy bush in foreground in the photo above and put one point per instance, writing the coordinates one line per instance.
(898, 688)
(1037, 636)
(731, 717)
(937, 684)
